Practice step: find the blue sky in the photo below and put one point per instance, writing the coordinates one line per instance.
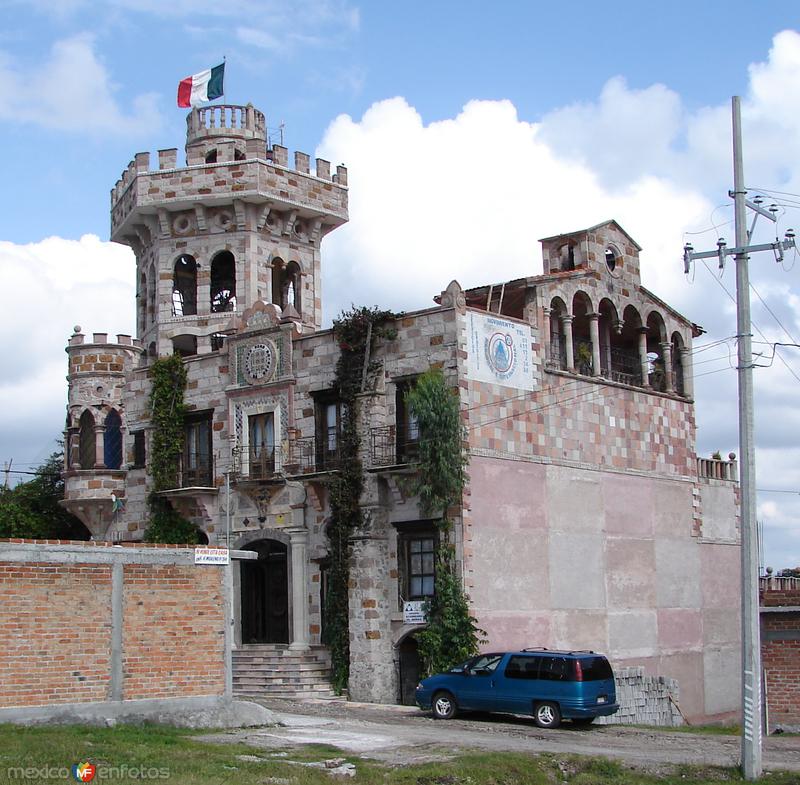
(470, 131)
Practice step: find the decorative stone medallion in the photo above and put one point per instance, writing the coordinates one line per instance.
(260, 362)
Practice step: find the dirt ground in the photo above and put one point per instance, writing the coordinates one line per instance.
(401, 735)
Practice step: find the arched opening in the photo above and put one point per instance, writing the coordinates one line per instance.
(581, 333)
(151, 295)
(609, 329)
(211, 156)
(409, 665)
(558, 349)
(238, 155)
(678, 347)
(626, 366)
(87, 443)
(265, 594)
(184, 286)
(223, 283)
(291, 286)
(141, 304)
(184, 345)
(656, 337)
(277, 282)
(112, 441)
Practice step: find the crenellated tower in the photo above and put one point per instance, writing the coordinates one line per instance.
(234, 225)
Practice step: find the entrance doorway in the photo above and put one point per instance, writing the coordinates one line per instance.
(265, 594)
(409, 669)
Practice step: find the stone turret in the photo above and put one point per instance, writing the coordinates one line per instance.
(94, 443)
(233, 226)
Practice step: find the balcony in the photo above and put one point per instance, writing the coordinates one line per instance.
(267, 463)
(388, 447)
(195, 470)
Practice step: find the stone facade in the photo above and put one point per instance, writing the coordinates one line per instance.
(588, 520)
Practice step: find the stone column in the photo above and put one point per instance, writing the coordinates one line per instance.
(594, 334)
(298, 540)
(666, 358)
(546, 333)
(566, 329)
(99, 446)
(643, 356)
(688, 373)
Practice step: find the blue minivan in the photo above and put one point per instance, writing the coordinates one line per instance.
(550, 685)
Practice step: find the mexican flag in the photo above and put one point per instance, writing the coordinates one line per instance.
(202, 87)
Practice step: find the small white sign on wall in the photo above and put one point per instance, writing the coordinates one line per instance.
(499, 351)
(213, 556)
(414, 612)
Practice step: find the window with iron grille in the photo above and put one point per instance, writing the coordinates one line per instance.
(416, 556)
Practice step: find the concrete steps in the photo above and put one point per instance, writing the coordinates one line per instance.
(266, 670)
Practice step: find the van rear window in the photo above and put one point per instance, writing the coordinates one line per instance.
(596, 669)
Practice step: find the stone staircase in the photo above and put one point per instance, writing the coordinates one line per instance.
(271, 670)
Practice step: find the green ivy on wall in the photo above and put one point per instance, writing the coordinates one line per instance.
(452, 634)
(167, 411)
(356, 331)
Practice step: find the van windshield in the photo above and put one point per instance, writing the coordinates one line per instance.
(596, 669)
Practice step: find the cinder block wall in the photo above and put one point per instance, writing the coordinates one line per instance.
(92, 623)
(780, 655)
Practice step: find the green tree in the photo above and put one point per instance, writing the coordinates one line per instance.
(31, 509)
(452, 634)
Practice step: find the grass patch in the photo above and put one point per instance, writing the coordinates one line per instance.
(173, 755)
(700, 730)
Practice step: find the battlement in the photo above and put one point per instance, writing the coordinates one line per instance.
(101, 339)
(227, 159)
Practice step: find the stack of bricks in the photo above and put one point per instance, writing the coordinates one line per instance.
(644, 700)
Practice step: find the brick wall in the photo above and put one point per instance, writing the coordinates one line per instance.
(55, 633)
(91, 623)
(780, 653)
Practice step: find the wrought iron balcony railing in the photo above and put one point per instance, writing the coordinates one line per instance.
(390, 447)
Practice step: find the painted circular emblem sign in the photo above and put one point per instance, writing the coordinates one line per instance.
(500, 354)
(259, 362)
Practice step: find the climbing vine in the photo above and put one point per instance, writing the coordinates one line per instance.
(452, 634)
(356, 331)
(167, 408)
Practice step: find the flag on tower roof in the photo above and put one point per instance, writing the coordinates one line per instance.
(202, 87)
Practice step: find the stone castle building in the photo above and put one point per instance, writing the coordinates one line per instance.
(588, 520)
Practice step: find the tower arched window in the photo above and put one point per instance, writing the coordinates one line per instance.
(151, 295)
(290, 291)
(87, 448)
(211, 156)
(223, 283)
(112, 442)
(141, 303)
(184, 286)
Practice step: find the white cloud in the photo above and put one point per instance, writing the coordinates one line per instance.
(72, 91)
(50, 287)
(468, 198)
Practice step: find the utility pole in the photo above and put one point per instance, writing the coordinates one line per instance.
(751, 644)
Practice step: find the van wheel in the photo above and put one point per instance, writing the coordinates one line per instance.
(546, 715)
(444, 706)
